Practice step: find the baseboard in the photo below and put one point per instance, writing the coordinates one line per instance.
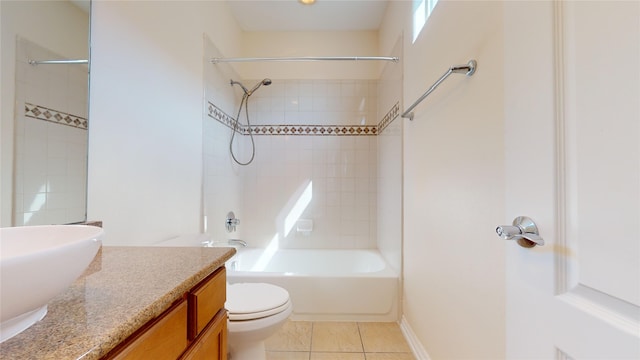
(416, 347)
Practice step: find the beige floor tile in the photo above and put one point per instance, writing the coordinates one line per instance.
(383, 338)
(336, 356)
(287, 355)
(293, 336)
(389, 356)
(336, 337)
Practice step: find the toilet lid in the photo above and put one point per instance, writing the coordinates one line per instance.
(247, 301)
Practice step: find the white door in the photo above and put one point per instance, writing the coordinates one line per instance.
(572, 110)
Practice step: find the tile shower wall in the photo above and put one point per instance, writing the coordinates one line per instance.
(323, 174)
(314, 180)
(320, 172)
(315, 102)
(297, 181)
(51, 139)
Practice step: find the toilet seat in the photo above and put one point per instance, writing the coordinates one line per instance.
(250, 301)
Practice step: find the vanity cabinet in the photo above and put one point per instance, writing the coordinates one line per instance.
(194, 327)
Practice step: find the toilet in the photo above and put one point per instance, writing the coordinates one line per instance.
(256, 311)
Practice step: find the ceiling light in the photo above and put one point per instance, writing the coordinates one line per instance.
(307, 2)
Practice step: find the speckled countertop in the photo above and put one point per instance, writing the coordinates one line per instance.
(123, 288)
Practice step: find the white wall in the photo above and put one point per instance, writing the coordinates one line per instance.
(69, 38)
(145, 148)
(454, 296)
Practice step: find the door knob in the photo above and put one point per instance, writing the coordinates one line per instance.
(523, 230)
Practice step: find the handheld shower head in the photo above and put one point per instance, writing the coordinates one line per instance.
(245, 102)
(265, 82)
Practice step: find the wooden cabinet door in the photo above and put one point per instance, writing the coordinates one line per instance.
(211, 344)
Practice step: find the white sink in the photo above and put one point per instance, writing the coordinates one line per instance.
(36, 264)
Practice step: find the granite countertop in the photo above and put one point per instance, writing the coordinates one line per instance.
(123, 288)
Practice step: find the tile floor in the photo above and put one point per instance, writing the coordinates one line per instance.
(304, 340)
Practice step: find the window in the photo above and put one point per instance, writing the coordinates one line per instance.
(421, 11)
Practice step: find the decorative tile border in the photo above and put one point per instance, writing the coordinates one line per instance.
(335, 130)
(54, 116)
(217, 114)
(389, 117)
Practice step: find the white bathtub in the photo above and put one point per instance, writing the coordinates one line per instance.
(337, 285)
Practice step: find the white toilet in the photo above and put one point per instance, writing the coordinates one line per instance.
(256, 311)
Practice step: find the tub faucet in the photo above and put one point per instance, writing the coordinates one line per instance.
(238, 241)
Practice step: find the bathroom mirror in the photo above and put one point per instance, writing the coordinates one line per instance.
(44, 111)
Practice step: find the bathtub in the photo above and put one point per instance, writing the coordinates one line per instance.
(324, 285)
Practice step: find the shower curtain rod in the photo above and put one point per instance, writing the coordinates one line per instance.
(42, 62)
(307, 58)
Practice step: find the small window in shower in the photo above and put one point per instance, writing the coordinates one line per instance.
(421, 11)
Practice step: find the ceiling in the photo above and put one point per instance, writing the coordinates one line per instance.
(324, 15)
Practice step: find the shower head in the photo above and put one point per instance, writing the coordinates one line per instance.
(265, 82)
